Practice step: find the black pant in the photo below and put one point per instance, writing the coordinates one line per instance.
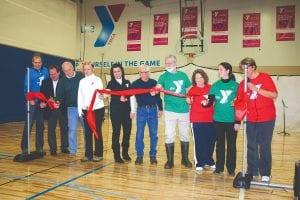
(225, 129)
(99, 117)
(61, 117)
(35, 113)
(120, 118)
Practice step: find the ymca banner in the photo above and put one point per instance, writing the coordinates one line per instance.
(189, 21)
(251, 30)
(160, 29)
(134, 33)
(219, 26)
(285, 23)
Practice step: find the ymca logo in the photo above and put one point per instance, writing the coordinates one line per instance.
(107, 17)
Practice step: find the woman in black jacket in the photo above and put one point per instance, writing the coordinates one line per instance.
(120, 113)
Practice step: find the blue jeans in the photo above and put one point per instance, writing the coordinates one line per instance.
(259, 155)
(37, 114)
(73, 118)
(149, 116)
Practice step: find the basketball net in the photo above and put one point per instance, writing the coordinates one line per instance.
(190, 57)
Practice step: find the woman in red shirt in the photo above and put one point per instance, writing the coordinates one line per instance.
(261, 114)
(201, 119)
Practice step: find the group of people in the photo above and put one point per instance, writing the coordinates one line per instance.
(207, 108)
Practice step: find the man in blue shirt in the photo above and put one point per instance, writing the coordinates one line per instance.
(148, 110)
(37, 73)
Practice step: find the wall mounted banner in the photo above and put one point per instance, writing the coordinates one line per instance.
(134, 32)
(107, 18)
(160, 29)
(219, 26)
(251, 30)
(285, 23)
(189, 21)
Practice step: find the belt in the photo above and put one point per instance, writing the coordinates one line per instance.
(147, 106)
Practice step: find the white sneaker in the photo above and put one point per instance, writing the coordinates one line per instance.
(212, 167)
(199, 169)
(265, 179)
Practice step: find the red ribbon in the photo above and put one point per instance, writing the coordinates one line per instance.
(90, 117)
(41, 96)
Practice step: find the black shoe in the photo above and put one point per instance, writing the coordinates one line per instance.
(153, 160)
(86, 159)
(53, 153)
(65, 151)
(40, 151)
(217, 172)
(126, 157)
(231, 174)
(139, 160)
(119, 160)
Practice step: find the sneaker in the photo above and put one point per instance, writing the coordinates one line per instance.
(199, 169)
(85, 159)
(265, 179)
(153, 160)
(139, 160)
(212, 167)
(97, 158)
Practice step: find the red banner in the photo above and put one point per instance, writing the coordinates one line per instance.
(189, 21)
(134, 33)
(285, 23)
(251, 30)
(160, 29)
(219, 26)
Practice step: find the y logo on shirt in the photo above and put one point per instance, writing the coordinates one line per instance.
(225, 94)
(41, 80)
(178, 85)
(254, 93)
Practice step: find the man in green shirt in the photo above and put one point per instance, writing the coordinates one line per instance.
(176, 111)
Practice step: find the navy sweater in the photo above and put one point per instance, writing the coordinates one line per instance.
(147, 99)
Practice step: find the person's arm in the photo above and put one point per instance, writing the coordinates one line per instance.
(263, 92)
(132, 106)
(209, 102)
(79, 99)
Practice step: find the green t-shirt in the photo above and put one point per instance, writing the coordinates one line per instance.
(177, 83)
(224, 96)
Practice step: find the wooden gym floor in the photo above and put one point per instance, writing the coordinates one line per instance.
(65, 177)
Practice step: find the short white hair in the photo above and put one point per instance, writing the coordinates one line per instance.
(144, 66)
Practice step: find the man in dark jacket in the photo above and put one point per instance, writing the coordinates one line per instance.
(48, 88)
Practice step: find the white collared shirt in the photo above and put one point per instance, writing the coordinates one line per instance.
(54, 86)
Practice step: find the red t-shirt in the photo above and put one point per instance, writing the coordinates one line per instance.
(260, 108)
(198, 113)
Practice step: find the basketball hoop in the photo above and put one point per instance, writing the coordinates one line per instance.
(190, 46)
(190, 57)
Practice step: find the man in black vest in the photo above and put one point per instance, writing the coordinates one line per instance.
(48, 88)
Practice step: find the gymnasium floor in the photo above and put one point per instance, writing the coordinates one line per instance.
(65, 177)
